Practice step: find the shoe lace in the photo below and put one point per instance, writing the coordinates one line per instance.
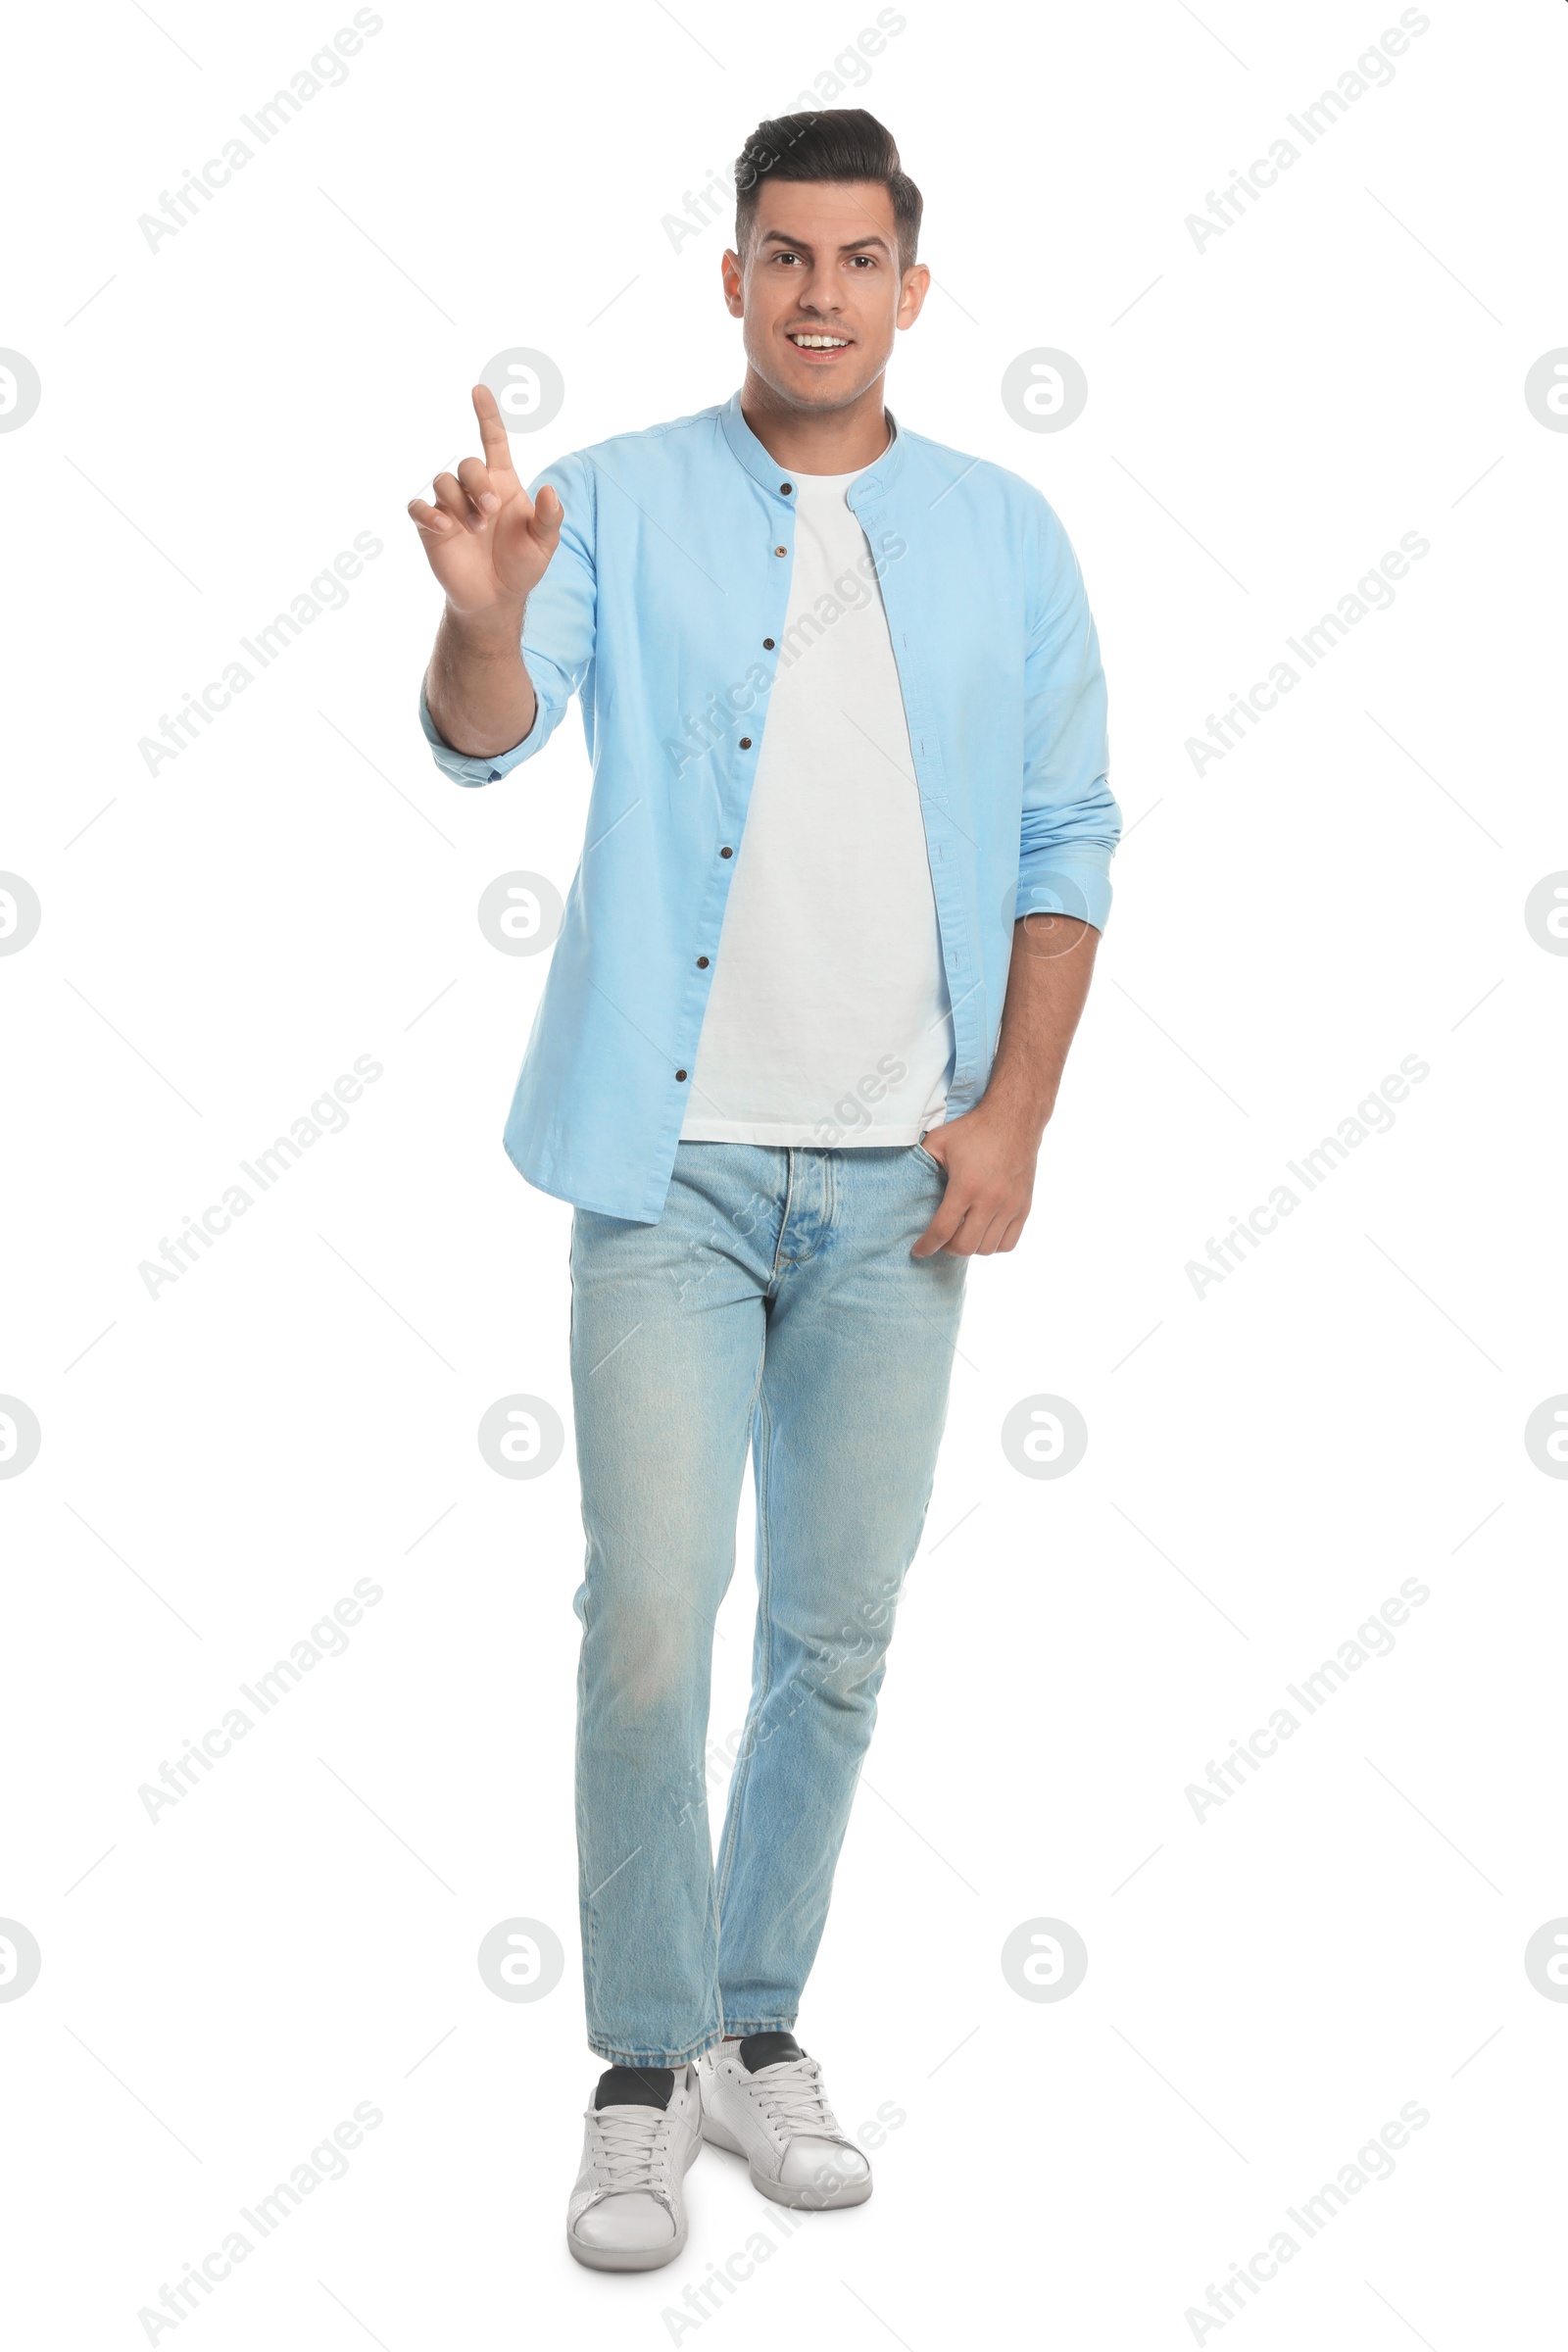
(629, 2150)
(792, 2095)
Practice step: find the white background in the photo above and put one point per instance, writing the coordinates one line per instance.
(1267, 1463)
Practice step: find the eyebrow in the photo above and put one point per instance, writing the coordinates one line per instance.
(777, 236)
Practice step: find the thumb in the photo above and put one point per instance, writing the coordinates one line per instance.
(547, 516)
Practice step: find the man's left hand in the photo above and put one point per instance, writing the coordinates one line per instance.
(990, 1163)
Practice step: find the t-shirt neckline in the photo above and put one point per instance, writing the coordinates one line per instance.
(830, 481)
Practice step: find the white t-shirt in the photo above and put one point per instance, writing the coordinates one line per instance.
(828, 1022)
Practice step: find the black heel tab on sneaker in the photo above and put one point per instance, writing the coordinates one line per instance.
(636, 2086)
(768, 2050)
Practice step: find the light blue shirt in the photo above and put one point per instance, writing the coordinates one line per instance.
(662, 609)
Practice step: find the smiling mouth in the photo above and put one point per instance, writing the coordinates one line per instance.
(802, 340)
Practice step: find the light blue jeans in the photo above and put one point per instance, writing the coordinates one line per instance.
(774, 1305)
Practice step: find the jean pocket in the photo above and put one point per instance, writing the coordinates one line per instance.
(924, 1156)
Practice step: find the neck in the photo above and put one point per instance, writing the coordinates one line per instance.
(816, 440)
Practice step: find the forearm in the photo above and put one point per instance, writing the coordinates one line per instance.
(477, 686)
(989, 1154)
(1047, 981)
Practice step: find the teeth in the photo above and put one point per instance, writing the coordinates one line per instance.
(820, 342)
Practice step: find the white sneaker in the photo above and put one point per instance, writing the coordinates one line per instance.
(763, 2099)
(629, 2209)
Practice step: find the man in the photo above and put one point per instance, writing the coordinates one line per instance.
(842, 880)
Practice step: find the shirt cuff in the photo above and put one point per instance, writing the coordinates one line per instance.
(1061, 885)
(462, 766)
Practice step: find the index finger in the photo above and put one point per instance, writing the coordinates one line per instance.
(493, 433)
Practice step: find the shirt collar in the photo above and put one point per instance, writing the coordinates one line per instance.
(770, 474)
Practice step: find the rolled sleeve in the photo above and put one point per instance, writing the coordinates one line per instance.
(462, 766)
(558, 632)
(1071, 823)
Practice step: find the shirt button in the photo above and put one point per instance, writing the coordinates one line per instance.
(727, 853)
(786, 487)
(701, 964)
(781, 551)
(680, 1073)
(768, 644)
(746, 743)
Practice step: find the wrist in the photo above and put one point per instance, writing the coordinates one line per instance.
(488, 632)
(1024, 1117)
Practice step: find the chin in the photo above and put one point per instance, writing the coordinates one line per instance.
(813, 388)
(838, 395)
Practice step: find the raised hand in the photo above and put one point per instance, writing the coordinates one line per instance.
(488, 541)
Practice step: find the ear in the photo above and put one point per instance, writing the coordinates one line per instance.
(913, 293)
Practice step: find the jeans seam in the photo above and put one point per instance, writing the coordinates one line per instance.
(764, 1594)
(589, 1970)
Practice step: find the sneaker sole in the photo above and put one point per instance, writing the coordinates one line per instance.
(808, 2199)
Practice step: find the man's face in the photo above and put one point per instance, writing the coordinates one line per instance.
(821, 290)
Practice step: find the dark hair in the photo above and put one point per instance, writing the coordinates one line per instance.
(844, 142)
